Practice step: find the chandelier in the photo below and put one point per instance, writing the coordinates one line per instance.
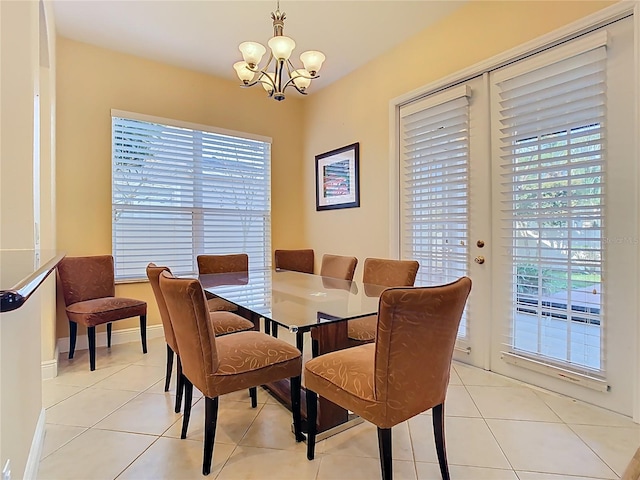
(282, 74)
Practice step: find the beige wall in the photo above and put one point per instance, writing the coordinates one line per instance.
(20, 385)
(91, 81)
(356, 109)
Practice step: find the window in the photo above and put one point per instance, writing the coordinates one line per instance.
(552, 124)
(434, 186)
(180, 190)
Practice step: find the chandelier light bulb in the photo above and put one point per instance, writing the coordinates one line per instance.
(281, 47)
(299, 79)
(244, 74)
(266, 82)
(252, 53)
(312, 61)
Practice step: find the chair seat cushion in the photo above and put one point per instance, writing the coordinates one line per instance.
(218, 304)
(249, 359)
(228, 322)
(363, 329)
(346, 377)
(105, 310)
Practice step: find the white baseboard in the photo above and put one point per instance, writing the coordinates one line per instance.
(126, 335)
(50, 367)
(33, 460)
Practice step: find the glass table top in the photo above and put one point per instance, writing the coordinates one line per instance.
(297, 301)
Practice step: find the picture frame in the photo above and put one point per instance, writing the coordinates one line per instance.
(338, 178)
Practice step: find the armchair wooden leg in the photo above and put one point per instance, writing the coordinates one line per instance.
(437, 414)
(384, 445)
(167, 380)
(143, 332)
(188, 393)
(73, 332)
(109, 335)
(179, 385)
(312, 415)
(91, 334)
(210, 421)
(253, 393)
(295, 383)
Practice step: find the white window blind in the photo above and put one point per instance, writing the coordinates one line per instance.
(182, 191)
(434, 158)
(551, 134)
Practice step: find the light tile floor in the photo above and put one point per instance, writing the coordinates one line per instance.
(117, 422)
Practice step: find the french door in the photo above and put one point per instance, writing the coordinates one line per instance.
(523, 179)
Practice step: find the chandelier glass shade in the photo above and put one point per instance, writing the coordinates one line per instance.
(279, 73)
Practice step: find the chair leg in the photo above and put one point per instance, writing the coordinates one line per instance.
(312, 414)
(179, 385)
(73, 332)
(210, 420)
(91, 334)
(253, 393)
(437, 414)
(167, 380)
(384, 445)
(295, 408)
(267, 326)
(143, 332)
(188, 393)
(109, 335)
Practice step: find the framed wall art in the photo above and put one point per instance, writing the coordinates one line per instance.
(338, 178)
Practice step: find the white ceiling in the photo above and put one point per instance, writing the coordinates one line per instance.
(204, 35)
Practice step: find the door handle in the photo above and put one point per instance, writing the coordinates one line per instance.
(479, 259)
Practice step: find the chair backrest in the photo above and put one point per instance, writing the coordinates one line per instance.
(192, 327)
(416, 333)
(296, 260)
(87, 278)
(153, 274)
(390, 273)
(238, 262)
(338, 266)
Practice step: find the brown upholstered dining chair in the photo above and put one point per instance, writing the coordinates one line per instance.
(338, 266)
(238, 262)
(404, 373)
(88, 288)
(387, 273)
(301, 260)
(333, 267)
(220, 365)
(222, 322)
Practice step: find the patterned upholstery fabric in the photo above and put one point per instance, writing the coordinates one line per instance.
(88, 288)
(228, 322)
(222, 264)
(104, 310)
(389, 273)
(296, 260)
(338, 266)
(216, 304)
(406, 371)
(226, 364)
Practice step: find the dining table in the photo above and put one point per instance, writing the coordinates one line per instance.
(302, 304)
